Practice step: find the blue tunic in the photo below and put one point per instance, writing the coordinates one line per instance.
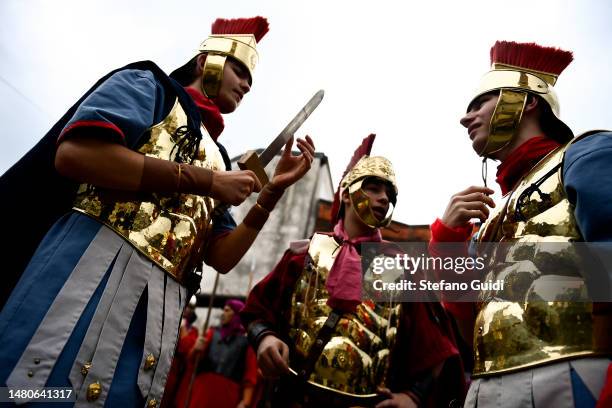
(587, 177)
(122, 109)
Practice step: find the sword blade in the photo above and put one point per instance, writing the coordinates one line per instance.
(289, 130)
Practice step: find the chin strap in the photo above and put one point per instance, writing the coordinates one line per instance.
(484, 171)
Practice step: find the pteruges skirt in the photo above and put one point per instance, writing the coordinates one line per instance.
(93, 314)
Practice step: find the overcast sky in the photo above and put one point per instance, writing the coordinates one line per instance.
(404, 70)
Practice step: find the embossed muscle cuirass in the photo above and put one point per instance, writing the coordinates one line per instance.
(165, 228)
(356, 359)
(516, 328)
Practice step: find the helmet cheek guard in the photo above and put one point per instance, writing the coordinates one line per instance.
(235, 38)
(504, 120)
(212, 75)
(218, 48)
(361, 167)
(360, 201)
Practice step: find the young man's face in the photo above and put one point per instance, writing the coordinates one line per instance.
(234, 86)
(379, 192)
(477, 120)
(227, 315)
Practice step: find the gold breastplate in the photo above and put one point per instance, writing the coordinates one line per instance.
(356, 359)
(524, 331)
(165, 228)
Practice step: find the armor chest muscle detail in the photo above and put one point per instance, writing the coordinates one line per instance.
(515, 328)
(356, 359)
(537, 209)
(165, 228)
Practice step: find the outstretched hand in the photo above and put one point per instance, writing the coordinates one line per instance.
(291, 168)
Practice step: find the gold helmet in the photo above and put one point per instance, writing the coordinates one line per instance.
(237, 39)
(519, 69)
(361, 167)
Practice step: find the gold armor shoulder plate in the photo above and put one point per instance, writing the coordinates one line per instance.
(356, 359)
(538, 206)
(165, 228)
(523, 332)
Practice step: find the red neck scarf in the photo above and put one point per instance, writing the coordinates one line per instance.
(345, 276)
(521, 160)
(211, 116)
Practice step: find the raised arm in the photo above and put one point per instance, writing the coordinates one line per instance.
(224, 253)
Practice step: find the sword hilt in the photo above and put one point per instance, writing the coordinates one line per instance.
(250, 161)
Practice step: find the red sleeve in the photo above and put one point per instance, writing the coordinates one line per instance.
(442, 234)
(424, 338)
(271, 296)
(96, 128)
(209, 334)
(250, 369)
(605, 398)
(208, 337)
(186, 343)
